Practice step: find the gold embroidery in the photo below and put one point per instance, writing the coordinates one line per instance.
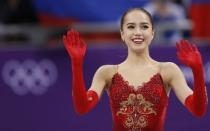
(136, 108)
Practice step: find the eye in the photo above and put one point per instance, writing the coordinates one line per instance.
(131, 27)
(145, 27)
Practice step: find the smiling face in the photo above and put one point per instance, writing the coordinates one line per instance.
(137, 30)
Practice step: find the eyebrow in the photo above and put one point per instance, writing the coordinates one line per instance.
(143, 23)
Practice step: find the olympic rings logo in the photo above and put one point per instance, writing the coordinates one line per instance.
(29, 76)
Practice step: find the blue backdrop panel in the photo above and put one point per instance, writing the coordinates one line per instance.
(200, 1)
(86, 10)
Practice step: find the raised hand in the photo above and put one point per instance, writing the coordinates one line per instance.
(188, 54)
(76, 49)
(74, 44)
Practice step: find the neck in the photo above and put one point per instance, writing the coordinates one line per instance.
(139, 58)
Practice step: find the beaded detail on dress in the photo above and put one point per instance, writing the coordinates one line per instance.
(140, 109)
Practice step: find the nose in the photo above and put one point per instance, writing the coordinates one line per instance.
(138, 31)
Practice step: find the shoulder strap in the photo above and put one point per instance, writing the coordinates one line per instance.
(117, 66)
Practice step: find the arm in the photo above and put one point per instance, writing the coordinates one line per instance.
(194, 100)
(83, 100)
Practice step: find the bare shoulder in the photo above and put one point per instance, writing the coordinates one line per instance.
(168, 70)
(106, 71)
(168, 66)
(102, 78)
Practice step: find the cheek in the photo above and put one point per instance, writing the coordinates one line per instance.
(126, 36)
(149, 35)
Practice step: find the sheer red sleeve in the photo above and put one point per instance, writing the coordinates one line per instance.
(190, 56)
(83, 100)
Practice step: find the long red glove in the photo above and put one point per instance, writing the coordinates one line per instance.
(190, 56)
(76, 48)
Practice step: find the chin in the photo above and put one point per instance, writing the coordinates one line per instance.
(140, 47)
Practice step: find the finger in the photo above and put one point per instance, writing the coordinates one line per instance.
(179, 55)
(68, 36)
(72, 37)
(82, 42)
(65, 41)
(181, 44)
(178, 46)
(182, 54)
(77, 38)
(194, 48)
(83, 45)
(187, 45)
(69, 32)
(184, 46)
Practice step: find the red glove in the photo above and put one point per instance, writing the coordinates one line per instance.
(190, 56)
(76, 48)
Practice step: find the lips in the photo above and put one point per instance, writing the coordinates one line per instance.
(137, 40)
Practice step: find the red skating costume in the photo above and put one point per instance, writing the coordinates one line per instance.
(141, 109)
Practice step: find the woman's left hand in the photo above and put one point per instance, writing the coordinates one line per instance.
(188, 54)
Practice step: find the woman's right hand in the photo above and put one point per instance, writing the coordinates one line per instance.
(74, 44)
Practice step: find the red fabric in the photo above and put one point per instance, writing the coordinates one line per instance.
(47, 20)
(141, 109)
(76, 48)
(201, 19)
(190, 56)
(197, 102)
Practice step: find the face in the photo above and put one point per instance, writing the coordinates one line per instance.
(137, 30)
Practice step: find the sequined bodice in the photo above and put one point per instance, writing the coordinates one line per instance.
(140, 109)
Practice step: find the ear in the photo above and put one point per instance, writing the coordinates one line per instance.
(121, 34)
(153, 34)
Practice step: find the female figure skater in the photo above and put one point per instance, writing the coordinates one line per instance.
(139, 86)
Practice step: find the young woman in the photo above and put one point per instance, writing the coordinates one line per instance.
(139, 86)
